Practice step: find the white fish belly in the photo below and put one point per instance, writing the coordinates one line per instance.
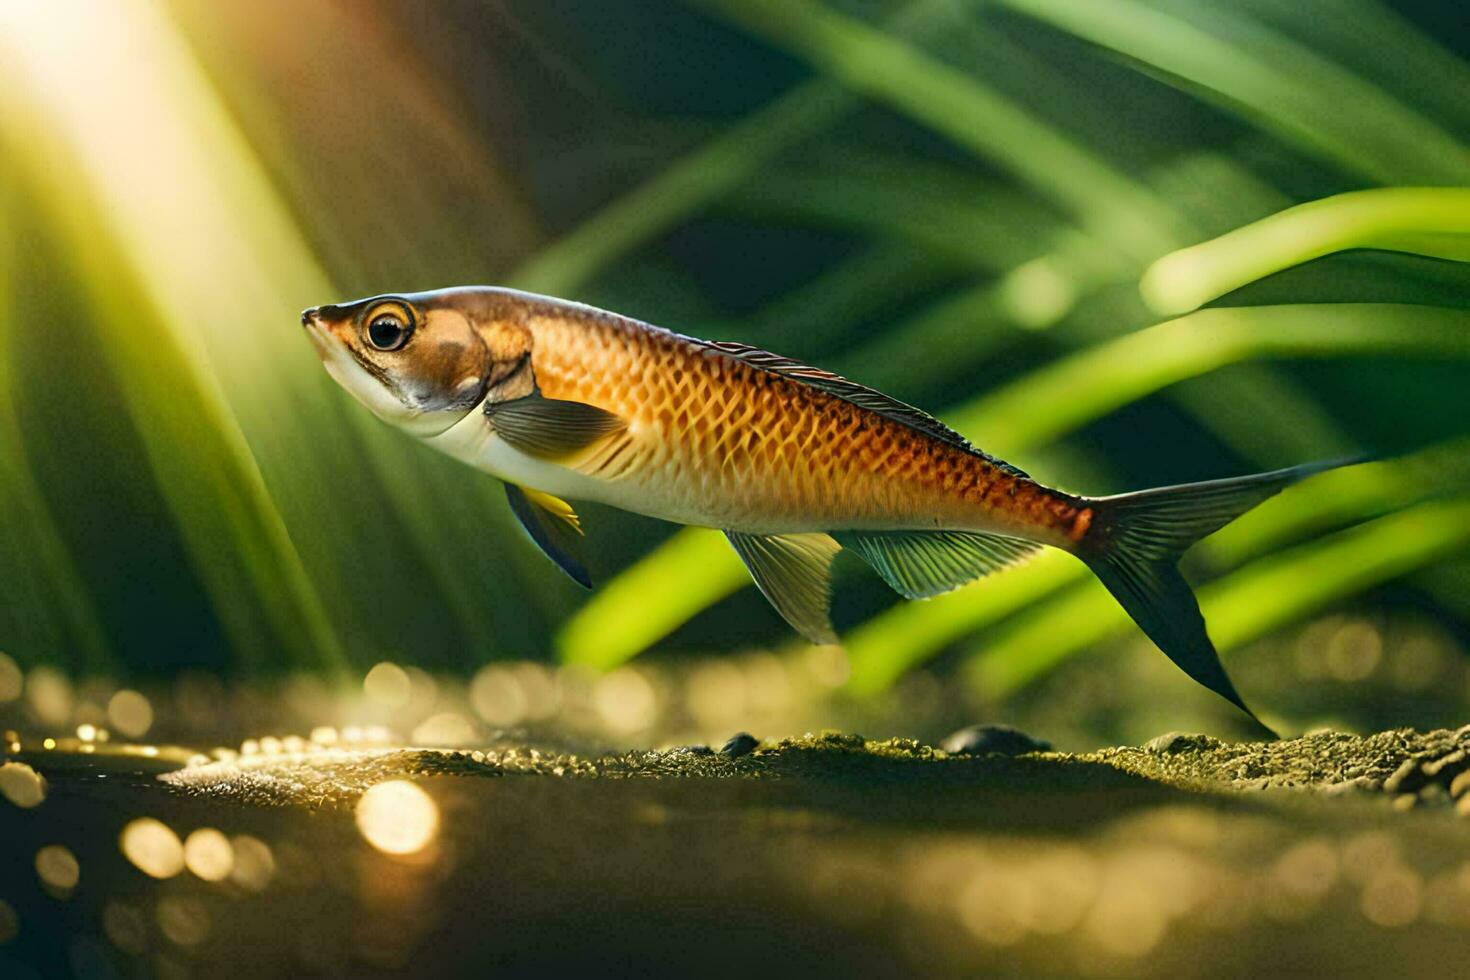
(473, 441)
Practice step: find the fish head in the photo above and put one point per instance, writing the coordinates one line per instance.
(415, 361)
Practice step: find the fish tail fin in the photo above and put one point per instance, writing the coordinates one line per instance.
(1133, 546)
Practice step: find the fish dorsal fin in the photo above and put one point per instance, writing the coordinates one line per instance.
(850, 391)
(794, 572)
(920, 564)
(554, 526)
(549, 428)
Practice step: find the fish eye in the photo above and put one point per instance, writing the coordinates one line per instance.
(388, 330)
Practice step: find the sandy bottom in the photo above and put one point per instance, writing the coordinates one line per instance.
(826, 855)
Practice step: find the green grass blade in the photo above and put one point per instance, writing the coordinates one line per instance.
(221, 259)
(736, 155)
(196, 448)
(824, 311)
(1384, 46)
(1087, 385)
(1431, 221)
(42, 583)
(1341, 497)
(205, 471)
(972, 226)
(687, 574)
(956, 104)
(1285, 86)
(908, 634)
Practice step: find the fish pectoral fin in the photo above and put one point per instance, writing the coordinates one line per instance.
(554, 526)
(548, 427)
(921, 564)
(794, 572)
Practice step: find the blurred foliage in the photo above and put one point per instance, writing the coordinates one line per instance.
(953, 200)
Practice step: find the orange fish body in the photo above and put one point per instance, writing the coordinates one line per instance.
(561, 400)
(715, 440)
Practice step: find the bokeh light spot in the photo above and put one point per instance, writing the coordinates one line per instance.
(447, 728)
(625, 701)
(1354, 651)
(9, 922)
(497, 697)
(57, 867)
(22, 785)
(388, 684)
(255, 865)
(153, 848)
(12, 681)
(130, 713)
(50, 696)
(994, 906)
(208, 854)
(1392, 897)
(397, 817)
(125, 926)
(183, 920)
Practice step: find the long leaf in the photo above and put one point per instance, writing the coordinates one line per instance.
(691, 182)
(1424, 220)
(204, 469)
(48, 611)
(960, 106)
(1286, 86)
(1059, 397)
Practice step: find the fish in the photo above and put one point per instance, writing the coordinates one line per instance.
(563, 401)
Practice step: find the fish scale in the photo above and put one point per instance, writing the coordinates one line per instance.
(751, 450)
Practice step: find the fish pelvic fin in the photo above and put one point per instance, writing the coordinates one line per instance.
(553, 525)
(1134, 544)
(794, 573)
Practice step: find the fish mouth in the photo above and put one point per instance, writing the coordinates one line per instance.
(316, 330)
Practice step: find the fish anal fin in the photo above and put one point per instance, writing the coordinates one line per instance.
(921, 564)
(553, 525)
(549, 428)
(794, 572)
